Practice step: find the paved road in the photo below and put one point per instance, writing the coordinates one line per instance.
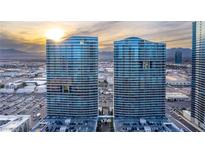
(179, 124)
(184, 122)
(180, 121)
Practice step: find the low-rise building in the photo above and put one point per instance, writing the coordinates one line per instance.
(174, 96)
(144, 125)
(26, 89)
(41, 89)
(14, 85)
(65, 124)
(14, 123)
(187, 114)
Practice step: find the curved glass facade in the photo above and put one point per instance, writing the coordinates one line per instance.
(139, 78)
(72, 77)
(198, 73)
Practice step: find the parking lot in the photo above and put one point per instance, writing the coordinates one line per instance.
(21, 104)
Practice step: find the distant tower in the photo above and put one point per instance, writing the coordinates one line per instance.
(198, 74)
(139, 78)
(72, 77)
(178, 57)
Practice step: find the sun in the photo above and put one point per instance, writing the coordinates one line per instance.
(54, 34)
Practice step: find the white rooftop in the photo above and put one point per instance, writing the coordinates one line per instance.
(12, 121)
(176, 95)
(110, 70)
(37, 82)
(5, 90)
(26, 89)
(41, 89)
(147, 129)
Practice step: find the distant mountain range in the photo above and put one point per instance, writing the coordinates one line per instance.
(13, 54)
(186, 54)
(106, 56)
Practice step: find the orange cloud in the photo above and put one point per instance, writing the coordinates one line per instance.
(31, 35)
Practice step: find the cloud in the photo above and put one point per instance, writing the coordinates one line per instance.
(97, 28)
(7, 41)
(29, 36)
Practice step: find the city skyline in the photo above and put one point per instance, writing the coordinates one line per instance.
(30, 36)
(102, 76)
(139, 88)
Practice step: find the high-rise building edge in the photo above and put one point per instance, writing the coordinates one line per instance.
(198, 74)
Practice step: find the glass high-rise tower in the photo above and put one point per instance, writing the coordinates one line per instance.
(198, 74)
(139, 78)
(178, 57)
(72, 77)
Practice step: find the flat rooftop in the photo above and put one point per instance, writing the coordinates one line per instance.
(144, 125)
(175, 95)
(10, 122)
(66, 124)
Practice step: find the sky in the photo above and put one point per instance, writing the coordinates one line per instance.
(30, 36)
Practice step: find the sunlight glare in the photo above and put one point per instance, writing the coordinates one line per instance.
(54, 34)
